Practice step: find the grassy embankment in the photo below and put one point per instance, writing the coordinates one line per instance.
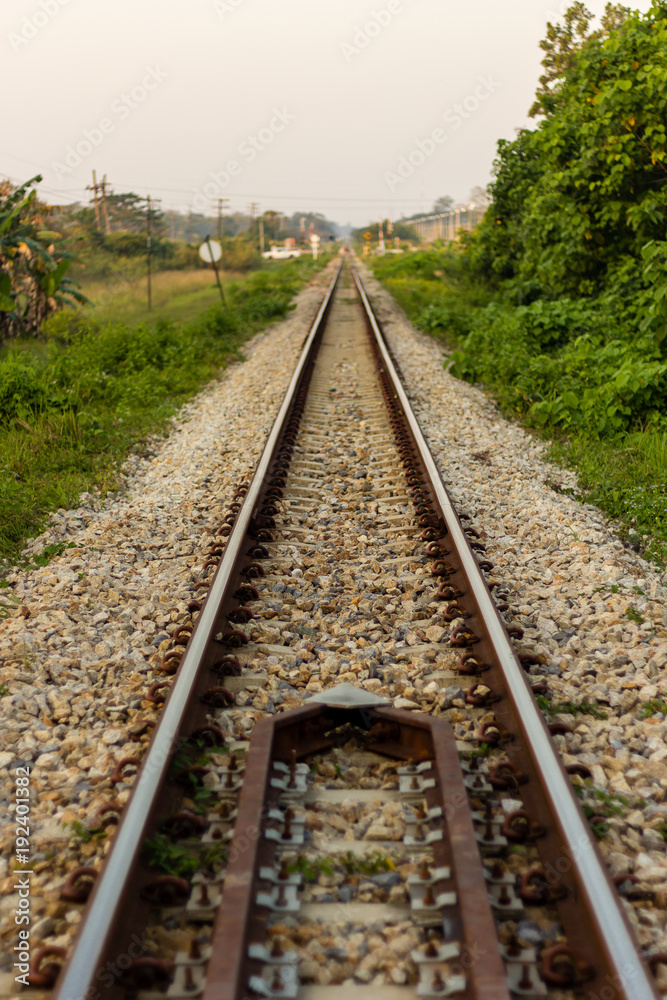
(622, 470)
(179, 296)
(72, 407)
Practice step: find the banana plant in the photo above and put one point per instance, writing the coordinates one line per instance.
(33, 265)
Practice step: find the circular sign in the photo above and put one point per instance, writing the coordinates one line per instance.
(368, 236)
(215, 252)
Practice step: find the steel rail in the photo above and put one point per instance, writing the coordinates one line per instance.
(629, 974)
(87, 956)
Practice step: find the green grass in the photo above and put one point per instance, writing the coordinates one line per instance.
(86, 834)
(599, 805)
(370, 864)
(183, 860)
(179, 296)
(653, 707)
(570, 708)
(70, 415)
(627, 478)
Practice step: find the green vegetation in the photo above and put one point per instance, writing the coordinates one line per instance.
(654, 707)
(599, 805)
(34, 262)
(558, 301)
(570, 708)
(72, 410)
(182, 860)
(369, 864)
(179, 296)
(9, 605)
(311, 868)
(86, 833)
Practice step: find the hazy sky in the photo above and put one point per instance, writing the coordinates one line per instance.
(352, 108)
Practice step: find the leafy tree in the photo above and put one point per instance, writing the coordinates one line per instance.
(562, 46)
(573, 244)
(33, 263)
(272, 224)
(577, 197)
(443, 204)
(127, 213)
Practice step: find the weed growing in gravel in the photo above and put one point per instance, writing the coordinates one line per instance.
(311, 868)
(483, 750)
(656, 706)
(12, 604)
(570, 708)
(633, 615)
(599, 805)
(369, 864)
(85, 833)
(48, 553)
(616, 588)
(182, 860)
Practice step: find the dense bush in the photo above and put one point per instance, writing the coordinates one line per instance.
(24, 392)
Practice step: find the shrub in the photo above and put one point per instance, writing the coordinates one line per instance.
(24, 392)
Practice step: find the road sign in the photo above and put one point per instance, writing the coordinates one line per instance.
(368, 236)
(210, 251)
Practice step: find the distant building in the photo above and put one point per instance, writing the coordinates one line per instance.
(447, 225)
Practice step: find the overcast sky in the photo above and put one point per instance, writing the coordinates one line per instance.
(351, 108)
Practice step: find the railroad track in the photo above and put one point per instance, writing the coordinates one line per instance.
(290, 831)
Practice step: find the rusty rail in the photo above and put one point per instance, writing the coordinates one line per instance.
(240, 921)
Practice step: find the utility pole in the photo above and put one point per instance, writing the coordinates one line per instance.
(149, 232)
(222, 204)
(105, 212)
(253, 207)
(96, 203)
(261, 234)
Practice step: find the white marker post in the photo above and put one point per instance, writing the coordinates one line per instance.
(314, 241)
(210, 251)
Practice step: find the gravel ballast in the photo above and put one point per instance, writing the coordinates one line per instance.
(77, 654)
